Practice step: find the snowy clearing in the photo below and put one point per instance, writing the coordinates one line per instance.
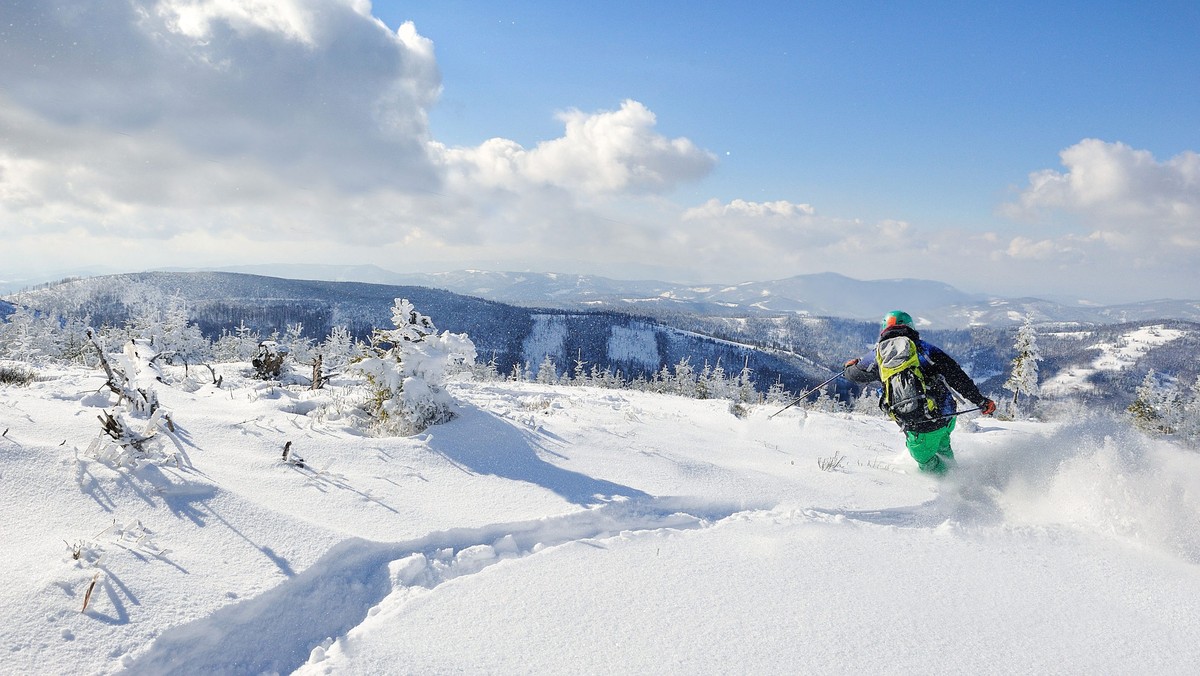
(1112, 358)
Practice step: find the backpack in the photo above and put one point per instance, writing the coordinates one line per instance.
(905, 395)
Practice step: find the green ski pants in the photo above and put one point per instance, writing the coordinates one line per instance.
(931, 450)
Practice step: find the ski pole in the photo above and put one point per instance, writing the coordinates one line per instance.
(798, 399)
(951, 415)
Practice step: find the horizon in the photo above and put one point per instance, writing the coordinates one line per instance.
(1001, 150)
(324, 272)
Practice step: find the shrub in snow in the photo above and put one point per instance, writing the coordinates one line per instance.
(407, 369)
(27, 336)
(129, 430)
(240, 345)
(268, 361)
(13, 373)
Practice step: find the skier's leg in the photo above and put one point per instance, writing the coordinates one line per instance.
(945, 451)
(924, 447)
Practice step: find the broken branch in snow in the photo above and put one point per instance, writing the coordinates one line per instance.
(87, 597)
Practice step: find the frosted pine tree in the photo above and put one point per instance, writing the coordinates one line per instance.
(1156, 406)
(684, 379)
(240, 345)
(298, 345)
(1024, 376)
(1189, 427)
(19, 337)
(408, 369)
(547, 373)
(339, 349)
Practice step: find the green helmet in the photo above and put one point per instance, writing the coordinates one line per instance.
(895, 318)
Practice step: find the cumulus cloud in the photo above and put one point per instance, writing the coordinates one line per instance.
(291, 119)
(261, 129)
(1111, 185)
(608, 152)
(1112, 208)
(107, 108)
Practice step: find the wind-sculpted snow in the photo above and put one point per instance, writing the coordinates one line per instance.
(488, 444)
(282, 628)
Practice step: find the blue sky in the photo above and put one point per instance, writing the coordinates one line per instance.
(1012, 148)
(933, 109)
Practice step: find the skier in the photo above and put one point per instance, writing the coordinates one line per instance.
(917, 379)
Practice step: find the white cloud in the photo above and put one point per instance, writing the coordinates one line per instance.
(291, 120)
(1039, 250)
(196, 18)
(1114, 218)
(1112, 184)
(604, 153)
(135, 99)
(741, 208)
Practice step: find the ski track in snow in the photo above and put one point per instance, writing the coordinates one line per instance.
(347, 585)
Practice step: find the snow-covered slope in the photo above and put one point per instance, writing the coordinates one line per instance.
(1113, 357)
(579, 530)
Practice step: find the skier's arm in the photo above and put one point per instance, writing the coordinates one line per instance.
(955, 376)
(862, 370)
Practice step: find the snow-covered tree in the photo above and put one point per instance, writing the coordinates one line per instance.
(867, 402)
(1023, 378)
(746, 392)
(684, 380)
(167, 328)
(407, 371)
(579, 374)
(19, 337)
(547, 373)
(298, 345)
(1189, 418)
(777, 393)
(1156, 405)
(338, 349)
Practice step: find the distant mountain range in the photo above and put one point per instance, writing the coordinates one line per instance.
(934, 304)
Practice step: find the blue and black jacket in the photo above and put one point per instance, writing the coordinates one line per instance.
(942, 374)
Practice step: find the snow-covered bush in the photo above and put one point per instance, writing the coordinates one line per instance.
(268, 361)
(27, 336)
(239, 345)
(339, 349)
(168, 329)
(129, 430)
(407, 371)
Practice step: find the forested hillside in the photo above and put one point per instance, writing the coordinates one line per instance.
(1098, 363)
